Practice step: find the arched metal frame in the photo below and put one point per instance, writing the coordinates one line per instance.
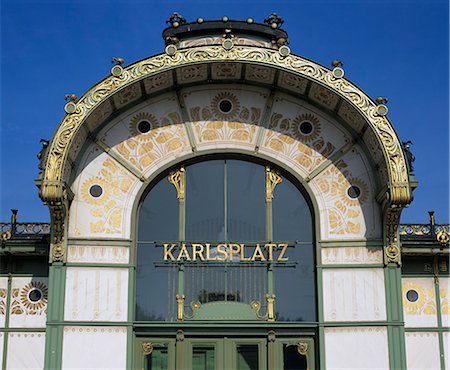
(53, 183)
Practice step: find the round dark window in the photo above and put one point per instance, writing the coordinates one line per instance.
(95, 191)
(34, 295)
(412, 295)
(144, 127)
(354, 192)
(225, 106)
(306, 127)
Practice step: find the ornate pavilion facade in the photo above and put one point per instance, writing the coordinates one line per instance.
(225, 204)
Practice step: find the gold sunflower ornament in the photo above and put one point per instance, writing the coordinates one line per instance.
(33, 296)
(306, 127)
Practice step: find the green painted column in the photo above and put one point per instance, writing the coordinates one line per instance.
(394, 305)
(55, 315)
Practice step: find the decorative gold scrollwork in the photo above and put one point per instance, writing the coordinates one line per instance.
(442, 237)
(302, 348)
(180, 305)
(273, 178)
(392, 251)
(147, 348)
(195, 306)
(270, 307)
(177, 178)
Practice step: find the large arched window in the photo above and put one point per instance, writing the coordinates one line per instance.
(225, 231)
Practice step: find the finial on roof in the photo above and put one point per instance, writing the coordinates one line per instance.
(176, 20)
(274, 20)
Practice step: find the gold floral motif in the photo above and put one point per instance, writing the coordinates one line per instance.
(296, 127)
(2, 301)
(106, 190)
(425, 304)
(21, 303)
(211, 124)
(344, 188)
(445, 300)
(221, 115)
(143, 116)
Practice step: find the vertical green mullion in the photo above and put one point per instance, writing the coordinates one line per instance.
(225, 219)
(55, 313)
(439, 318)
(130, 316)
(269, 237)
(394, 310)
(6, 332)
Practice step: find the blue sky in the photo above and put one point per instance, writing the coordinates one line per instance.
(398, 49)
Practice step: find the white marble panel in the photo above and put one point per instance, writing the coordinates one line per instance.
(25, 351)
(446, 336)
(96, 294)
(3, 292)
(352, 255)
(98, 254)
(356, 348)
(92, 348)
(26, 309)
(356, 294)
(2, 339)
(422, 351)
(109, 215)
(420, 312)
(444, 292)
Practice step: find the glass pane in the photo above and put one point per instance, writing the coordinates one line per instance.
(292, 359)
(246, 201)
(158, 359)
(156, 285)
(295, 285)
(203, 358)
(247, 357)
(158, 216)
(205, 201)
(291, 215)
(204, 283)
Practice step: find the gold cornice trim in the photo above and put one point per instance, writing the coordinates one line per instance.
(392, 152)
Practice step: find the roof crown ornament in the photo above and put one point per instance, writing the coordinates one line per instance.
(274, 20)
(176, 20)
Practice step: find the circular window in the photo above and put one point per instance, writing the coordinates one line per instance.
(225, 106)
(34, 295)
(354, 192)
(306, 127)
(144, 127)
(412, 295)
(96, 191)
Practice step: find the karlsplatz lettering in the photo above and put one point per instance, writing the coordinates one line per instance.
(229, 252)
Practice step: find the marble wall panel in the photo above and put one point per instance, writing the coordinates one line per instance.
(216, 125)
(96, 294)
(3, 292)
(356, 294)
(29, 297)
(345, 191)
(422, 351)
(107, 215)
(356, 348)
(419, 309)
(98, 254)
(93, 347)
(352, 255)
(2, 339)
(25, 351)
(446, 338)
(444, 292)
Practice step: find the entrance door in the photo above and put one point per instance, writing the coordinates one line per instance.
(227, 353)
